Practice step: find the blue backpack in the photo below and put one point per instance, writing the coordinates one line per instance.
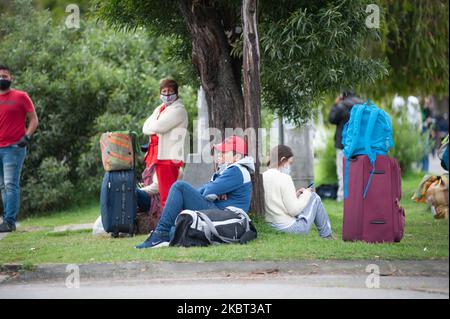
(368, 132)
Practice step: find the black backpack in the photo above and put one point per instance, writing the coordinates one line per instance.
(327, 191)
(212, 226)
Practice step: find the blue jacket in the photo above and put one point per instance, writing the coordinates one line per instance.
(235, 182)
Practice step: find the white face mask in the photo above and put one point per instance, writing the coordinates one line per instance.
(168, 98)
(286, 169)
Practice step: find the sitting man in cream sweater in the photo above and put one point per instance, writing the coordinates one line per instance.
(289, 210)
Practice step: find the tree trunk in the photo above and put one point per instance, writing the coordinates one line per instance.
(211, 57)
(252, 95)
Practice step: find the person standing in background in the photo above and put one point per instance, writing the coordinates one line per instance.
(339, 115)
(165, 151)
(15, 108)
(428, 132)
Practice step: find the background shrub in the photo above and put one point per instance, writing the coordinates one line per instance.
(49, 188)
(325, 169)
(410, 145)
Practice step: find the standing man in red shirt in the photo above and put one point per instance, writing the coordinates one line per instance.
(15, 108)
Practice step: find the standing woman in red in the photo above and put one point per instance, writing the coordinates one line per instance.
(167, 128)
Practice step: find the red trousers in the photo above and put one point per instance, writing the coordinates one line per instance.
(167, 175)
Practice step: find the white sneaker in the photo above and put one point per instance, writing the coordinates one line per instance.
(161, 244)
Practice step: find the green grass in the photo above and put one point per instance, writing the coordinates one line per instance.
(425, 238)
(76, 215)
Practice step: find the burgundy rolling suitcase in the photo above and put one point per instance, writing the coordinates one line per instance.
(377, 217)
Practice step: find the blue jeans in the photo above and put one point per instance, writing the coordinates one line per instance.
(425, 164)
(313, 213)
(181, 196)
(143, 200)
(11, 162)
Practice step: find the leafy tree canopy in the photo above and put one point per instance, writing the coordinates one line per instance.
(309, 48)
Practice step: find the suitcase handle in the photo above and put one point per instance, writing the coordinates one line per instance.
(378, 222)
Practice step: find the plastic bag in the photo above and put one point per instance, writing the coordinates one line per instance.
(97, 229)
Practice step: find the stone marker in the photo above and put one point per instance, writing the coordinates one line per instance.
(300, 140)
(196, 171)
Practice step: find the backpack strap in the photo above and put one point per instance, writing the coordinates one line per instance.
(369, 130)
(242, 213)
(367, 142)
(356, 129)
(370, 179)
(211, 229)
(134, 139)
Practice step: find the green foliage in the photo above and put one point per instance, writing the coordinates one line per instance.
(58, 7)
(308, 48)
(409, 144)
(311, 49)
(49, 188)
(325, 170)
(83, 82)
(415, 41)
(315, 50)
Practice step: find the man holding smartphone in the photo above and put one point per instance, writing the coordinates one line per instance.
(15, 108)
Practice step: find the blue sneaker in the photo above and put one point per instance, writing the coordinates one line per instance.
(155, 240)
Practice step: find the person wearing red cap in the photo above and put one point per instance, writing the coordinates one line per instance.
(230, 186)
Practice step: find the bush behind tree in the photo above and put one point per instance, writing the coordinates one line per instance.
(410, 146)
(83, 82)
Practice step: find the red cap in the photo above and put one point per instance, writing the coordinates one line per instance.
(232, 143)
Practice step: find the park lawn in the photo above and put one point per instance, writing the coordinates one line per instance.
(84, 214)
(425, 238)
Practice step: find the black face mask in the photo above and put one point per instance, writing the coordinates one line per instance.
(4, 84)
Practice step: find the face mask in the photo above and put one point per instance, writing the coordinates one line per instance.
(4, 84)
(286, 169)
(168, 99)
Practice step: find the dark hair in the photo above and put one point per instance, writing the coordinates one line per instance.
(4, 67)
(168, 83)
(278, 152)
(347, 93)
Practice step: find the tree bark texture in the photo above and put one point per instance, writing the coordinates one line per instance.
(252, 95)
(211, 57)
